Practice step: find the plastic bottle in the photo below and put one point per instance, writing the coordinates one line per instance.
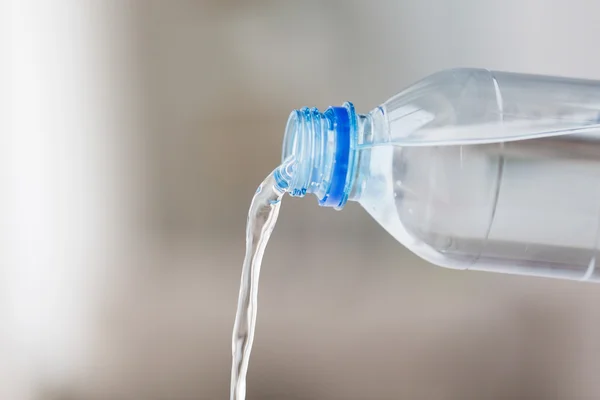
(468, 168)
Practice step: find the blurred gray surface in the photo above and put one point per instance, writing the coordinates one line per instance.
(193, 99)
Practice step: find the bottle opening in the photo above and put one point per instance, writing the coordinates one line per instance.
(319, 154)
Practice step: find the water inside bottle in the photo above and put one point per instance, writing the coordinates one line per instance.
(528, 207)
(262, 217)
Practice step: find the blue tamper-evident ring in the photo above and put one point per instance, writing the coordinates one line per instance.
(341, 125)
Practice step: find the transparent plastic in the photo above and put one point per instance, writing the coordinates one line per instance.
(469, 169)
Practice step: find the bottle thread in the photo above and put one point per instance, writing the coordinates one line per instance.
(319, 154)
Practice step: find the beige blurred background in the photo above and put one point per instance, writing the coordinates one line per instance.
(138, 132)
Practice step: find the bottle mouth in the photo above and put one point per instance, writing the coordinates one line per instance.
(318, 154)
(303, 144)
(291, 137)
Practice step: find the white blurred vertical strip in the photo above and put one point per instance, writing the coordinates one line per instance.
(10, 387)
(68, 198)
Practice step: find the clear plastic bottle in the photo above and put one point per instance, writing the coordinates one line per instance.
(468, 168)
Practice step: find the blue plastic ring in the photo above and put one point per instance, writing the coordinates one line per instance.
(341, 125)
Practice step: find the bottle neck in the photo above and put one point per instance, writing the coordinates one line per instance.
(320, 154)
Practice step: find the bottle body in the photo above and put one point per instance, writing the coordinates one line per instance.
(501, 172)
(471, 169)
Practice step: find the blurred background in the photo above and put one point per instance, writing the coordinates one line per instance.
(138, 132)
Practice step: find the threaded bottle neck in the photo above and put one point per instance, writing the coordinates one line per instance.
(322, 150)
